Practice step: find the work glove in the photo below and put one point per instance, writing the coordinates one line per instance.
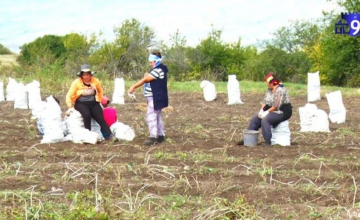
(260, 112)
(264, 114)
(132, 96)
(69, 111)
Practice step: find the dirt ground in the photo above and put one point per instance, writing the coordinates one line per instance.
(314, 178)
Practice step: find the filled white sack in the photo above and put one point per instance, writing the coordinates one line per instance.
(337, 109)
(11, 89)
(38, 109)
(312, 119)
(119, 91)
(320, 121)
(313, 87)
(209, 90)
(122, 131)
(34, 95)
(21, 97)
(95, 127)
(77, 133)
(281, 134)
(52, 122)
(233, 89)
(2, 97)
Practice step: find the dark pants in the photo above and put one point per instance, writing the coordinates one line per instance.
(93, 110)
(265, 124)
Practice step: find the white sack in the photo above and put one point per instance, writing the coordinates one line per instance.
(95, 127)
(52, 122)
(306, 114)
(2, 97)
(313, 87)
(209, 90)
(281, 134)
(337, 109)
(34, 94)
(119, 91)
(233, 89)
(21, 98)
(38, 109)
(11, 89)
(312, 119)
(320, 121)
(122, 131)
(77, 133)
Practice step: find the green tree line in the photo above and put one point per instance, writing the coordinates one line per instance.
(294, 50)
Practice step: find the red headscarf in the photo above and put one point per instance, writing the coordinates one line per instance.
(271, 78)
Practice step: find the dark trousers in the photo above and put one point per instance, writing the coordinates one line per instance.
(265, 124)
(93, 110)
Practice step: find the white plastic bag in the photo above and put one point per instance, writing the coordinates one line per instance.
(2, 97)
(313, 119)
(122, 131)
(52, 122)
(320, 121)
(119, 91)
(38, 109)
(313, 87)
(34, 94)
(21, 97)
(337, 109)
(233, 89)
(281, 134)
(11, 89)
(95, 127)
(209, 90)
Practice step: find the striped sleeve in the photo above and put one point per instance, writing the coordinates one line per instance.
(157, 73)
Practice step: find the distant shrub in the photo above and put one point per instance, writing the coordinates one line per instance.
(4, 50)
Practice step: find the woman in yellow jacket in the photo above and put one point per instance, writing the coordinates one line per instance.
(85, 95)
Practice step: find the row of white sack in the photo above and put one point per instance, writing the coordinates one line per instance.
(55, 129)
(233, 89)
(28, 96)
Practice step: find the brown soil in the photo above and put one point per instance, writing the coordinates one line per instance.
(318, 170)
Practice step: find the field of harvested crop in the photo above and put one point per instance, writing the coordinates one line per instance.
(198, 173)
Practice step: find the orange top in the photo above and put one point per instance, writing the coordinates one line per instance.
(77, 88)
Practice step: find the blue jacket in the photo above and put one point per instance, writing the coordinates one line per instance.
(159, 89)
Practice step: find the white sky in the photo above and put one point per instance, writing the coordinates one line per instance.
(22, 21)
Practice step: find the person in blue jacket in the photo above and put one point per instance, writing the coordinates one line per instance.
(156, 94)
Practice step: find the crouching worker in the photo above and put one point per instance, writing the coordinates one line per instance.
(110, 114)
(156, 94)
(85, 95)
(275, 109)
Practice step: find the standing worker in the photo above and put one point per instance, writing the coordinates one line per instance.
(156, 94)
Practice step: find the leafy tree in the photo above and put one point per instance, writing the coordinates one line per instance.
(44, 50)
(78, 48)
(286, 53)
(127, 54)
(4, 50)
(338, 56)
(215, 58)
(176, 57)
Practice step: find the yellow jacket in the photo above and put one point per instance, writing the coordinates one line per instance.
(77, 87)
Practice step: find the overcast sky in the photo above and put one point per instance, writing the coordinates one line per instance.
(22, 21)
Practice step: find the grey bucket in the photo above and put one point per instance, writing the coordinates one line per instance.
(251, 138)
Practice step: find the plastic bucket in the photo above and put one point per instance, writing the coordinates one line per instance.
(251, 138)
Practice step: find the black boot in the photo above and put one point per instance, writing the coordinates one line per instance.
(241, 142)
(150, 142)
(160, 139)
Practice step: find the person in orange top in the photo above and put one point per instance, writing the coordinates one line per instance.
(85, 95)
